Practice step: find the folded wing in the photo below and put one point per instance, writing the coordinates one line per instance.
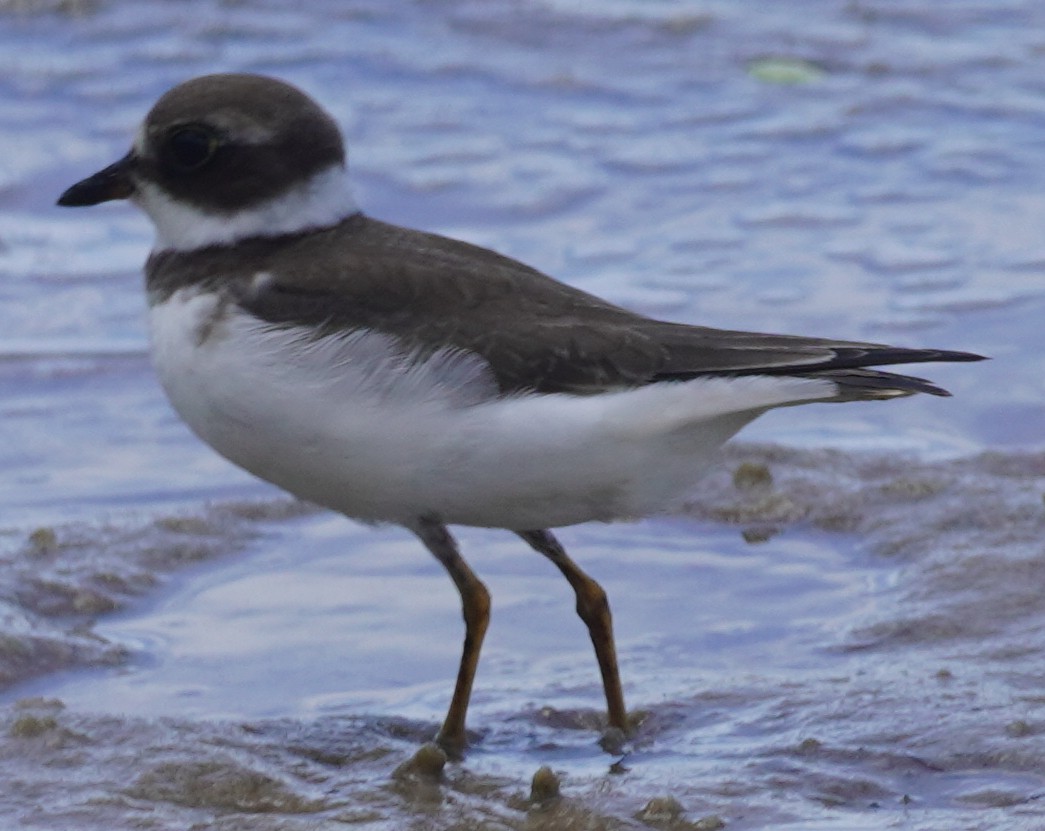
(536, 333)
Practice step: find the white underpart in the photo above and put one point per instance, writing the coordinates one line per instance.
(349, 424)
(320, 202)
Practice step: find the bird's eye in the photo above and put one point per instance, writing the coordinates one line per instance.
(190, 147)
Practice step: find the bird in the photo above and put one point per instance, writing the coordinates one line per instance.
(401, 377)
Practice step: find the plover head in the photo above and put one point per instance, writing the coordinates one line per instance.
(227, 157)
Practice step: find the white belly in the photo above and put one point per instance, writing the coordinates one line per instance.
(348, 424)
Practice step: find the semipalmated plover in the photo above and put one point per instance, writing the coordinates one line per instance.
(401, 377)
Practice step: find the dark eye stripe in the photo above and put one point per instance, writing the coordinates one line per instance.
(190, 147)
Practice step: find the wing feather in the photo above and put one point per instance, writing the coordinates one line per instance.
(432, 293)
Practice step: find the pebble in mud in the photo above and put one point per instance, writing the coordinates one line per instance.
(667, 812)
(752, 476)
(45, 731)
(221, 783)
(661, 809)
(427, 763)
(30, 726)
(545, 786)
(759, 534)
(42, 541)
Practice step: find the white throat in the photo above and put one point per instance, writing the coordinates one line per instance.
(322, 201)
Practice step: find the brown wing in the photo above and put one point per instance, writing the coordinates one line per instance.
(535, 332)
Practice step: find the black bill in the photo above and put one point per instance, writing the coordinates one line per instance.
(112, 183)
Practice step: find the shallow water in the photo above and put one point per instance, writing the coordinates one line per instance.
(854, 642)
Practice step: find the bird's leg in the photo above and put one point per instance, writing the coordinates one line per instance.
(594, 609)
(475, 605)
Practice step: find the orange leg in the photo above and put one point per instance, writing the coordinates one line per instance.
(475, 605)
(594, 609)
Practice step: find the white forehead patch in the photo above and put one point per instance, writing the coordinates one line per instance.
(241, 128)
(139, 140)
